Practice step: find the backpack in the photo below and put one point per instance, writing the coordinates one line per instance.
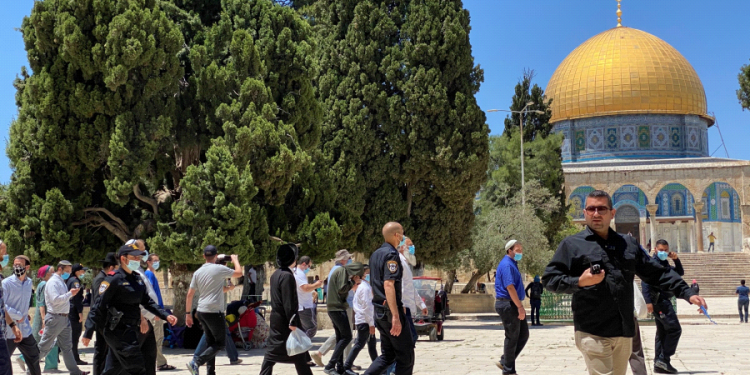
(536, 291)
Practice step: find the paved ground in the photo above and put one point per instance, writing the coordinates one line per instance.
(471, 347)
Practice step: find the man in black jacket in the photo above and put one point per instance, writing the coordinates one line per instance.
(597, 266)
(100, 345)
(659, 303)
(75, 316)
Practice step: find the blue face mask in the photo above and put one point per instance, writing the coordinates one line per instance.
(349, 261)
(134, 264)
(306, 271)
(412, 249)
(662, 255)
(518, 257)
(66, 275)
(367, 278)
(156, 266)
(6, 259)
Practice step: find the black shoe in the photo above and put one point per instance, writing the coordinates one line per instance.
(662, 367)
(330, 371)
(350, 372)
(81, 363)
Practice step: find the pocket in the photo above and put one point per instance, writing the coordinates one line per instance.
(590, 345)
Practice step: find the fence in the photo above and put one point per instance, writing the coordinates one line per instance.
(558, 307)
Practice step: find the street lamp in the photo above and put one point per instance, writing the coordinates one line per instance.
(520, 118)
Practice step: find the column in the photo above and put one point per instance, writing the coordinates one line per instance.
(745, 211)
(651, 208)
(643, 232)
(678, 224)
(699, 225)
(691, 235)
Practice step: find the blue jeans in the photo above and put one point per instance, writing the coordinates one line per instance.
(230, 347)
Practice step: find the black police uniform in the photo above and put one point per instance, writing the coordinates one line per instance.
(76, 309)
(122, 293)
(668, 328)
(385, 264)
(100, 345)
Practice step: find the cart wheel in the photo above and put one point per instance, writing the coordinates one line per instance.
(433, 334)
(248, 346)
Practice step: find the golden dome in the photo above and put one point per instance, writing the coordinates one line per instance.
(625, 71)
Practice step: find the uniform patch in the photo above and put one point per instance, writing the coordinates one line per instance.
(77, 286)
(103, 286)
(392, 266)
(125, 283)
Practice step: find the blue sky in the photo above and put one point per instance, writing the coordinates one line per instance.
(509, 36)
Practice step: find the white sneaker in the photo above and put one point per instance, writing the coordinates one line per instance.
(21, 363)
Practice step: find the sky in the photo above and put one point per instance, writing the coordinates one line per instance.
(510, 36)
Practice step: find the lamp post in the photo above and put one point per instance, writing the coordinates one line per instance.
(520, 121)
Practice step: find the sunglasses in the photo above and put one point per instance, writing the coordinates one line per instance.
(602, 210)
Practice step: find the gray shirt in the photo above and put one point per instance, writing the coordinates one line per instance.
(209, 282)
(57, 296)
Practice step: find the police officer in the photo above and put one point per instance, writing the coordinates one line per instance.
(109, 263)
(659, 303)
(75, 316)
(117, 313)
(385, 275)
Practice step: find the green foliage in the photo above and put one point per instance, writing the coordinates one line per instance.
(535, 125)
(743, 94)
(401, 126)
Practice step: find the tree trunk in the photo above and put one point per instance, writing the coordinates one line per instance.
(449, 283)
(260, 280)
(472, 284)
(246, 284)
(180, 284)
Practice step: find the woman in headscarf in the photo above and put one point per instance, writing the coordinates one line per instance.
(534, 291)
(284, 318)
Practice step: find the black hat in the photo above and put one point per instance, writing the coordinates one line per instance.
(210, 250)
(131, 249)
(110, 259)
(78, 267)
(286, 255)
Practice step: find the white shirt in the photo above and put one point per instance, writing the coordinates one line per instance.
(56, 295)
(304, 298)
(151, 293)
(363, 308)
(409, 296)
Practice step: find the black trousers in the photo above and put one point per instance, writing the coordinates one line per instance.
(363, 338)
(100, 354)
(30, 351)
(75, 333)
(393, 348)
(215, 328)
(536, 306)
(343, 328)
(6, 367)
(125, 355)
(148, 349)
(266, 368)
(516, 334)
(668, 330)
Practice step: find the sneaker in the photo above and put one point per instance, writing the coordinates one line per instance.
(662, 367)
(350, 372)
(85, 372)
(355, 367)
(21, 363)
(237, 362)
(193, 368)
(318, 358)
(499, 365)
(81, 363)
(330, 371)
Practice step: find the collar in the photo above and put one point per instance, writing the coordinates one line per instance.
(511, 259)
(590, 233)
(389, 245)
(15, 278)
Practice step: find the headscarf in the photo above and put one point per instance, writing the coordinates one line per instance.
(536, 278)
(286, 255)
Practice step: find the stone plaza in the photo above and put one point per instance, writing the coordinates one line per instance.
(474, 342)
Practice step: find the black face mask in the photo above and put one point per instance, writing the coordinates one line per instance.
(19, 270)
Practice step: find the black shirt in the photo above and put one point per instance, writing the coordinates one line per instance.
(652, 293)
(125, 292)
(606, 309)
(95, 285)
(385, 264)
(76, 302)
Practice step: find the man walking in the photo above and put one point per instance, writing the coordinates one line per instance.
(209, 282)
(342, 281)
(307, 310)
(76, 310)
(56, 323)
(153, 265)
(509, 294)
(742, 299)
(343, 257)
(109, 263)
(17, 298)
(534, 291)
(6, 321)
(364, 321)
(659, 302)
(386, 274)
(598, 266)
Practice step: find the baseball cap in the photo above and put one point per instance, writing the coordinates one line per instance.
(131, 249)
(342, 255)
(78, 267)
(210, 250)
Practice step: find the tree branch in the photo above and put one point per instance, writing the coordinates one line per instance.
(117, 220)
(151, 201)
(101, 222)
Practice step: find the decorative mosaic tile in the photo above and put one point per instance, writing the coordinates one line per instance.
(694, 138)
(580, 141)
(595, 139)
(644, 137)
(660, 137)
(675, 137)
(628, 138)
(612, 140)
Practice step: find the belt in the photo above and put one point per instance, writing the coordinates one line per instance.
(503, 299)
(59, 314)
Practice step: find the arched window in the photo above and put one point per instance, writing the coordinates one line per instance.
(725, 208)
(678, 205)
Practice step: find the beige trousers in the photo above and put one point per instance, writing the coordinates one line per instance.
(604, 355)
(159, 334)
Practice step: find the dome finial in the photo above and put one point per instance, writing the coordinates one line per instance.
(619, 14)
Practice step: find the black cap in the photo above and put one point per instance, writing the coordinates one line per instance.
(210, 250)
(130, 250)
(78, 267)
(110, 259)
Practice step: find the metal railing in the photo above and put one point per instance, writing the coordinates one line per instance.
(558, 307)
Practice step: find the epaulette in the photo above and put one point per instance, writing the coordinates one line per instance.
(111, 273)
